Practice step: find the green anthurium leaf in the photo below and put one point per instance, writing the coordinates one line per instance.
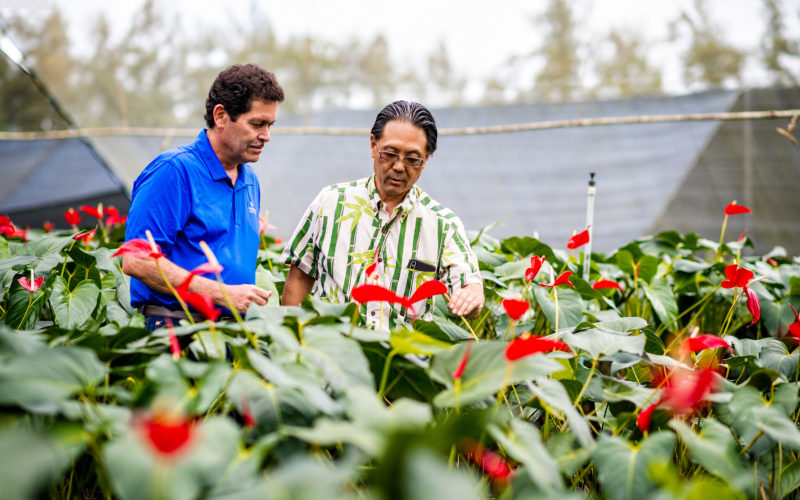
(24, 308)
(570, 306)
(105, 262)
(81, 257)
(512, 270)
(339, 359)
(662, 299)
(624, 468)
(486, 372)
(277, 374)
(794, 286)
(622, 325)
(598, 343)
(776, 316)
(790, 479)
(39, 458)
(653, 343)
(786, 396)
(715, 448)
(405, 341)
(526, 247)
(428, 477)
(137, 471)
(556, 400)
(777, 425)
(291, 480)
(73, 308)
(647, 267)
(741, 407)
(38, 380)
(442, 329)
(626, 263)
(523, 443)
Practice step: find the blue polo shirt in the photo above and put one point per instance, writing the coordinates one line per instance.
(184, 197)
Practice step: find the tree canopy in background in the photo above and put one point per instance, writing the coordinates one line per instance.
(133, 80)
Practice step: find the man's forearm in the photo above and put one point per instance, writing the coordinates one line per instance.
(298, 286)
(146, 270)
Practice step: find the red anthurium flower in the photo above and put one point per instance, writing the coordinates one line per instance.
(15, 232)
(247, 414)
(370, 271)
(199, 302)
(525, 346)
(167, 433)
(263, 225)
(742, 236)
(94, 212)
(31, 286)
(578, 240)
(563, 279)
(685, 389)
(116, 219)
(604, 283)
(752, 304)
(492, 464)
(733, 209)
(138, 248)
(5, 221)
(202, 304)
(48, 226)
(738, 277)
(111, 211)
(646, 416)
(369, 293)
(461, 366)
(426, 291)
(207, 268)
(794, 328)
(278, 240)
(536, 264)
(174, 345)
(515, 308)
(701, 342)
(72, 216)
(85, 237)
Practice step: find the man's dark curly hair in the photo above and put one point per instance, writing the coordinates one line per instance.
(237, 86)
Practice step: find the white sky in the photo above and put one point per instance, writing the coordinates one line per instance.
(480, 36)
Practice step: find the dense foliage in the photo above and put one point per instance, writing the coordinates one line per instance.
(649, 378)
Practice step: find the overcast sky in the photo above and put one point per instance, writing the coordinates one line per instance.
(480, 36)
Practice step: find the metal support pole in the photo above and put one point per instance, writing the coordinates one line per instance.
(587, 256)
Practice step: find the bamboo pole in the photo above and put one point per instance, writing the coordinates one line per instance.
(494, 129)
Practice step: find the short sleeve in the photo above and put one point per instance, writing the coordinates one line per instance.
(301, 249)
(459, 265)
(160, 203)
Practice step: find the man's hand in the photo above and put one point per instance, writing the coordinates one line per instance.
(467, 301)
(244, 295)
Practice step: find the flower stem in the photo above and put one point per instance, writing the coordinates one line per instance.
(385, 374)
(721, 236)
(25, 314)
(752, 442)
(586, 384)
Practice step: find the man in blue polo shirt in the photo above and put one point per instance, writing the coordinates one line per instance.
(205, 191)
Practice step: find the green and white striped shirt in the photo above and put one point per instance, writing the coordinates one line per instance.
(337, 238)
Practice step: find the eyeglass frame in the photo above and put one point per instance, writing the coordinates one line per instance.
(398, 157)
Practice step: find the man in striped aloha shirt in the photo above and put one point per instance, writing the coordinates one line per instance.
(388, 221)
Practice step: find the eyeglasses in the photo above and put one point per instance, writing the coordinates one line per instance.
(390, 158)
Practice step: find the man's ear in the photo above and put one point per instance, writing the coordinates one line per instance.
(220, 115)
(373, 146)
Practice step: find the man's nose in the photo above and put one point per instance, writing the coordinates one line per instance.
(263, 135)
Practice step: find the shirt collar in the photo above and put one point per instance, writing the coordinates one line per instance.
(215, 168)
(404, 207)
